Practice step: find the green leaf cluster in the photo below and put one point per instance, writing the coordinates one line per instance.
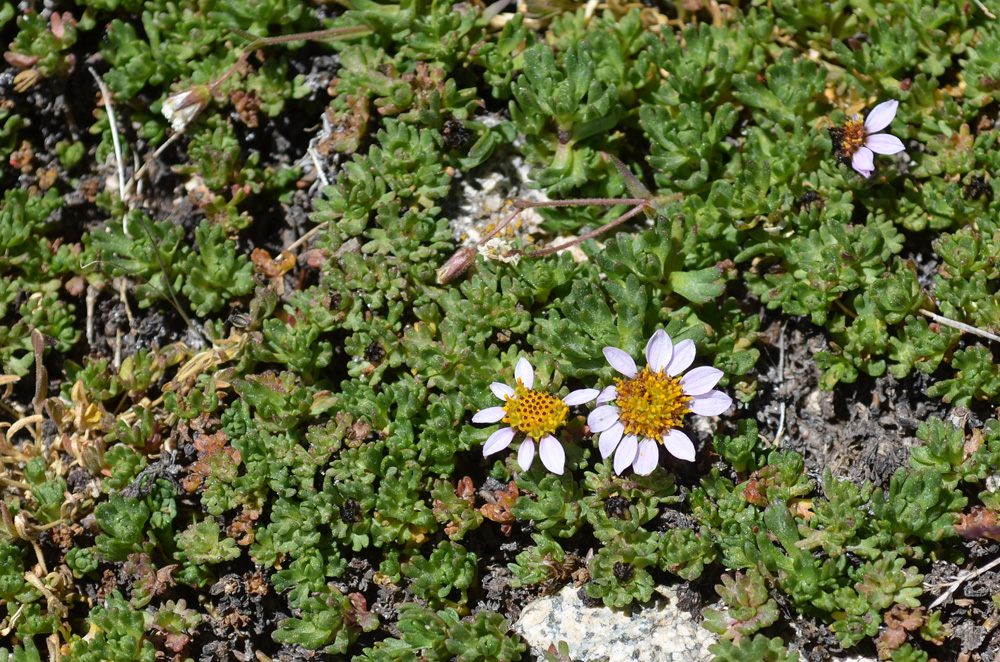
(156, 256)
(33, 268)
(782, 534)
(749, 607)
(21, 596)
(436, 578)
(441, 635)
(119, 633)
(748, 650)
(328, 620)
(41, 44)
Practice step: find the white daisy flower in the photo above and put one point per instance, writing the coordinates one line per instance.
(648, 407)
(860, 141)
(535, 414)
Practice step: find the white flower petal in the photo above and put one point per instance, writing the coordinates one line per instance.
(621, 361)
(881, 116)
(602, 418)
(864, 161)
(701, 380)
(580, 396)
(525, 373)
(502, 391)
(625, 455)
(489, 415)
(659, 350)
(181, 108)
(682, 358)
(552, 454)
(712, 403)
(884, 143)
(648, 457)
(607, 395)
(609, 440)
(679, 445)
(498, 441)
(526, 454)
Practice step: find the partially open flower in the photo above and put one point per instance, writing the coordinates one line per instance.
(648, 407)
(181, 108)
(535, 414)
(859, 140)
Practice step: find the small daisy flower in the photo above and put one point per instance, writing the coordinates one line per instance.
(648, 407)
(535, 414)
(859, 141)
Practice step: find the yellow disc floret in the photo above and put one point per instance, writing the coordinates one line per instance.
(652, 404)
(854, 136)
(535, 413)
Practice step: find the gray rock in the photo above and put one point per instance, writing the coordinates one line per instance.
(659, 632)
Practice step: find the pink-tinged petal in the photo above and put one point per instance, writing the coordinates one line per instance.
(552, 454)
(659, 349)
(864, 161)
(679, 445)
(648, 457)
(607, 395)
(712, 403)
(621, 361)
(682, 358)
(502, 391)
(580, 396)
(602, 418)
(884, 143)
(489, 415)
(498, 441)
(881, 116)
(526, 454)
(625, 455)
(701, 380)
(524, 373)
(609, 440)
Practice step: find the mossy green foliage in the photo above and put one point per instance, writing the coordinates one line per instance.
(334, 422)
(40, 44)
(440, 636)
(119, 633)
(749, 607)
(747, 650)
(33, 264)
(791, 535)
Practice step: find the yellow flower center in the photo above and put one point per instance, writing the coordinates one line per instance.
(535, 413)
(854, 136)
(652, 404)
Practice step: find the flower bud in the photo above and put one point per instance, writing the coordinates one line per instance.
(181, 108)
(456, 264)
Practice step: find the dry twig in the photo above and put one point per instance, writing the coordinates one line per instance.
(113, 121)
(781, 383)
(966, 328)
(953, 586)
